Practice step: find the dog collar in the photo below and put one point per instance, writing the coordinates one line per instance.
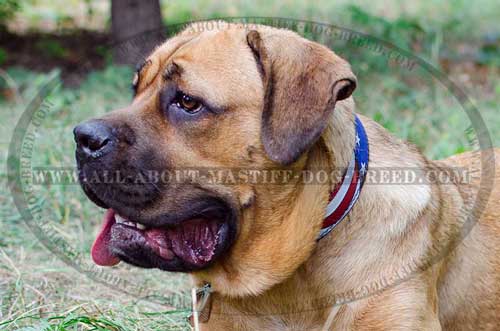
(346, 193)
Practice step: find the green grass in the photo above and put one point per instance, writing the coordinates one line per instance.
(40, 292)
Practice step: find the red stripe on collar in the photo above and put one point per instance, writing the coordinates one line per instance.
(345, 202)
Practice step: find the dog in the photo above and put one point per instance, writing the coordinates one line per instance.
(234, 97)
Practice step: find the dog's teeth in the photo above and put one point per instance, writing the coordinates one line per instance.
(140, 226)
(120, 219)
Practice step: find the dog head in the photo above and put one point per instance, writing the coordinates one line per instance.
(229, 98)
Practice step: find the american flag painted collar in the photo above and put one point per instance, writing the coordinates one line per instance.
(346, 193)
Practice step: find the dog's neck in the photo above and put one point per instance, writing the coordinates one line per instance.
(338, 139)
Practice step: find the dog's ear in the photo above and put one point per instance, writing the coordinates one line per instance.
(302, 82)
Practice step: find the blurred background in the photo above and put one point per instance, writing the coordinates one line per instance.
(90, 47)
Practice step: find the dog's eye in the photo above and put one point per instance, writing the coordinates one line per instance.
(187, 103)
(179, 106)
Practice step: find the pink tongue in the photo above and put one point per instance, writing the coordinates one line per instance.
(100, 249)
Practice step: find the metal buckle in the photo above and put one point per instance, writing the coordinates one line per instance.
(201, 306)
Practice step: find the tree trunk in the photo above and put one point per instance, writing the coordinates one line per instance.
(136, 28)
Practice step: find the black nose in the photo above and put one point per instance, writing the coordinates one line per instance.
(94, 138)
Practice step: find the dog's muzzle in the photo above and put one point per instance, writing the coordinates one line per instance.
(105, 171)
(188, 237)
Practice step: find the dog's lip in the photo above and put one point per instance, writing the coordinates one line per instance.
(90, 193)
(193, 243)
(165, 242)
(110, 194)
